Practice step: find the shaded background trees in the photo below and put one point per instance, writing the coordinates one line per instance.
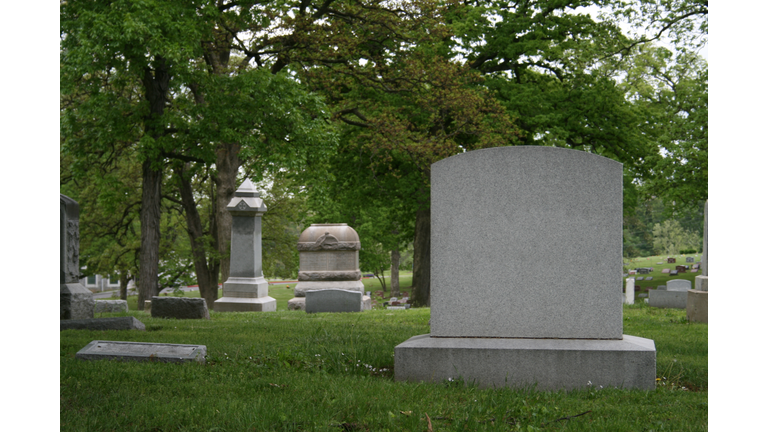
(344, 105)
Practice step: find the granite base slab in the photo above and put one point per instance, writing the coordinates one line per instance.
(75, 302)
(697, 309)
(241, 304)
(117, 323)
(142, 352)
(549, 364)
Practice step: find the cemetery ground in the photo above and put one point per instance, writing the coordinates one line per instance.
(293, 371)
(659, 278)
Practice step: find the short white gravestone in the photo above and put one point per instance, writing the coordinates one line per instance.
(629, 292)
(328, 260)
(142, 352)
(75, 301)
(500, 315)
(246, 290)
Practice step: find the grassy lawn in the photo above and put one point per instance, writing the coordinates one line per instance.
(659, 278)
(290, 371)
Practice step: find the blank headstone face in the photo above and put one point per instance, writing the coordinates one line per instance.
(500, 217)
(673, 272)
(678, 285)
(665, 270)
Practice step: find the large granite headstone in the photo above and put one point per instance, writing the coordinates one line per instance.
(246, 290)
(75, 301)
(500, 315)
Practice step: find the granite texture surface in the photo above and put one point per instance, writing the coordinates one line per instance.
(549, 364)
(333, 300)
(75, 302)
(503, 219)
(668, 299)
(697, 306)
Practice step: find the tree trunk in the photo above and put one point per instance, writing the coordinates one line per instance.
(206, 280)
(394, 282)
(421, 256)
(155, 84)
(227, 164)
(150, 233)
(124, 278)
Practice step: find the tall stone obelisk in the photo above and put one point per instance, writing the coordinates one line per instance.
(246, 290)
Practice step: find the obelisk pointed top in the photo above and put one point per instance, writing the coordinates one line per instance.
(247, 189)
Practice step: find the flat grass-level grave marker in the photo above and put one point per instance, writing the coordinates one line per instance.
(142, 352)
(246, 290)
(500, 316)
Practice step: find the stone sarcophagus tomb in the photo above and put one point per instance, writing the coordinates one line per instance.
(328, 260)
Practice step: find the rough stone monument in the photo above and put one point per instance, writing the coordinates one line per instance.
(500, 315)
(75, 301)
(328, 260)
(246, 290)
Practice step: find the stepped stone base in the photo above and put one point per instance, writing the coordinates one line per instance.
(242, 304)
(549, 364)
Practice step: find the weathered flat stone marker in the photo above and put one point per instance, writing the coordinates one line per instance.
(117, 323)
(500, 316)
(142, 352)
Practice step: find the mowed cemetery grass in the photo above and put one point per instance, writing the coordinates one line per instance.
(292, 371)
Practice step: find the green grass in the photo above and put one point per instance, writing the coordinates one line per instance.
(291, 371)
(659, 278)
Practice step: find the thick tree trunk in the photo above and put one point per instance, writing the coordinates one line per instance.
(206, 279)
(421, 256)
(394, 271)
(227, 164)
(150, 233)
(124, 278)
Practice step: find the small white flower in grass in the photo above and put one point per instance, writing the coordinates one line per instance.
(589, 383)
